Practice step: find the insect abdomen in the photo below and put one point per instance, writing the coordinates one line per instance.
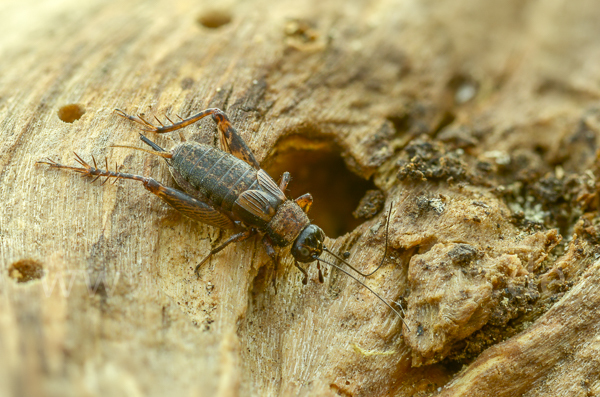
(219, 176)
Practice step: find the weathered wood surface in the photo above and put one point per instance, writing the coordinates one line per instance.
(479, 121)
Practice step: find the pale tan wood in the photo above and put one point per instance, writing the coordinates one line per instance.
(118, 310)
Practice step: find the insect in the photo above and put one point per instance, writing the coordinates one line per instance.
(228, 189)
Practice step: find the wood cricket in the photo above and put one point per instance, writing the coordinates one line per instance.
(229, 190)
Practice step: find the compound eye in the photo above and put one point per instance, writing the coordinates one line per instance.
(308, 245)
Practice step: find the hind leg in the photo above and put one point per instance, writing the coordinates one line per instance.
(189, 206)
(231, 141)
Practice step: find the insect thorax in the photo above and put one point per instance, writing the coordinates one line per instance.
(287, 223)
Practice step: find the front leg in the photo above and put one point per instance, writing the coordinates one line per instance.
(305, 279)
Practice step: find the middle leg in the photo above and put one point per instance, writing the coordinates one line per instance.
(236, 238)
(283, 182)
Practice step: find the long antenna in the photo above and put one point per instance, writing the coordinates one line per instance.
(387, 226)
(369, 288)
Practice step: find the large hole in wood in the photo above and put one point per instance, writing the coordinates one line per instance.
(316, 167)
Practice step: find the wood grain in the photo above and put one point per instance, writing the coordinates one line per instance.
(479, 121)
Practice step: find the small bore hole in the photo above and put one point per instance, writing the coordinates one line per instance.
(401, 122)
(26, 270)
(70, 113)
(214, 18)
(316, 167)
(464, 88)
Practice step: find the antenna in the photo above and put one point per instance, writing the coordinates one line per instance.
(369, 288)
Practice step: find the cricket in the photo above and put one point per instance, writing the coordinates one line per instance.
(227, 188)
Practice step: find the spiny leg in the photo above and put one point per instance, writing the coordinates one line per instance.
(229, 137)
(187, 205)
(236, 238)
(146, 126)
(89, 171)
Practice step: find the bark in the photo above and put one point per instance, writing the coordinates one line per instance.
(478, 122)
